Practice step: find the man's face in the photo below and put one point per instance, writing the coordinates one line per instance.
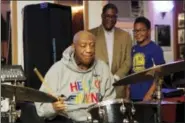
(109, 19)
(85, 49)
(141, 33)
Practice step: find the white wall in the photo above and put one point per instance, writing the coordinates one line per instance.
(155, 18)
(94, 12)
(20, 6)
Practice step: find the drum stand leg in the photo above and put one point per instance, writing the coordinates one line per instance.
(12, 112)
(159, 98)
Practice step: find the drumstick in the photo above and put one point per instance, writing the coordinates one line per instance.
(44, 82)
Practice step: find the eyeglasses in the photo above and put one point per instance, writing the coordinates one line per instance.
(139, 30)
(110, 16)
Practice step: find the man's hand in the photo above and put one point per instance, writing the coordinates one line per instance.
(59, 105)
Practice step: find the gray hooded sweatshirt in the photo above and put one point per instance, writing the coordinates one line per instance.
(81, 88)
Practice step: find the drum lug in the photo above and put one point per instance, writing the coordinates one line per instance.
(123, 109)
(135, 121)
(125, 121)
(133, 110)
(89, 118)
(101, 113)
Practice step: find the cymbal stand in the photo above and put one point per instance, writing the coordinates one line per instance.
(158, 81)
(12, 112)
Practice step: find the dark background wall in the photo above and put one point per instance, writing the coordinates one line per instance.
(47, 32)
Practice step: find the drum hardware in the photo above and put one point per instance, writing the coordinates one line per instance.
(11, 75)
(133, 110)
(8, 106)
(131, 115)
(155, 73)
(101, 113)
(95, 121)
(19, 93)
(89, 118)
(123, 109)
(125, 121)
(112, 111)
(13, 113)
(129, 121)
(130, 112)
(159, 81)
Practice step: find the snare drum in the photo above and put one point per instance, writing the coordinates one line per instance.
(112, 111)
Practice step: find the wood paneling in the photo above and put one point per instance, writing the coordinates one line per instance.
(78, 14)
(14, 32)
(77, 20)
(86, 15)
(178, 8)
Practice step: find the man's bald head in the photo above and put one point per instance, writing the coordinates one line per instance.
(84, 45)
(83, 35)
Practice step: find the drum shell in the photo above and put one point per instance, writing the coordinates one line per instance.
(111, 111)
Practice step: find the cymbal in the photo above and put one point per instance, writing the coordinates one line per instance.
(149, 74)
(156, 102)
(25, 94)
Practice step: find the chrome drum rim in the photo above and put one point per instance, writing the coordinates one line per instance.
(108, 102)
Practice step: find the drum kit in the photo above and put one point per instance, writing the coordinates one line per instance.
(16, 93)
(109, 111)
(123, 111)
(13, 91)
(112, 111)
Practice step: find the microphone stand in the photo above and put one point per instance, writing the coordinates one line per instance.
(12, 112)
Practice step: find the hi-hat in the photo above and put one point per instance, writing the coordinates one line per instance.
(149, 74)
(25, 94)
